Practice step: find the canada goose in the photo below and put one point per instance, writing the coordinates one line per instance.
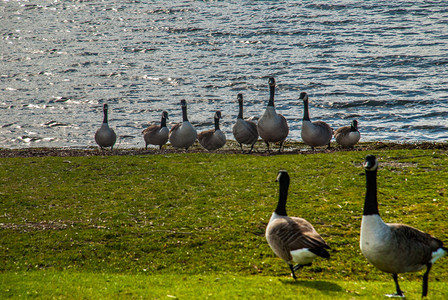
(214, 138)
(272, 127)
(244, 131)
(105, 136)
(157, 134)
(293, 239)
(317, 133)
(348, 136)
(183, 135)
(394, 248)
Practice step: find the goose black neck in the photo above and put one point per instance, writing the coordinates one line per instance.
(306, 113)
(184, 114)
(371, 202)
(163, 122)
(105, 116)
(271, 95)
(240, 111)
(283, 195)
(216, 123)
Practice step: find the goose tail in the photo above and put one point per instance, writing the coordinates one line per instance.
(322, 252)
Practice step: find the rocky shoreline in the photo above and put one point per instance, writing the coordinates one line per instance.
(230, 148)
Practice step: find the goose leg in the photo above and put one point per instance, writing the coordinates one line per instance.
(267, 144)
(425, 280)
(397, 286)
(251, 148)
(281, 146)
(298, 267)
(292, 271)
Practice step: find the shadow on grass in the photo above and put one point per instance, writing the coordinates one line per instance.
(318, 285)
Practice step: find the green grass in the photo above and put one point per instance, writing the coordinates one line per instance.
(190, 225)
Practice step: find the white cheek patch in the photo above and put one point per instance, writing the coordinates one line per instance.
(303, 256)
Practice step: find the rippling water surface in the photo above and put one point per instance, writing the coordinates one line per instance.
(383, 63)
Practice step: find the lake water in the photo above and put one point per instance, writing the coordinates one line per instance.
(384, 63)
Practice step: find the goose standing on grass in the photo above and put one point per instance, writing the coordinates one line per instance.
(183, 135)
(394, 248)
(272, 127)
(348, 136)
(214, 138)
(244, 131)
(157, 134)
(293, 239)
(105, 136)
(317, 133)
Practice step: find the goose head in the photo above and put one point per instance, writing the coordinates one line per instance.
(240, 98)
(370, 163)
(303, 97)
(354, 125)
(282, 177)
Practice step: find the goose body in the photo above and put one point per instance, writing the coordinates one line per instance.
(314, 134)
(272, 127)
(394, 248)
(183, 135)
(244, 131)
(293, 239)
(213, 139)
(348, 136)
(157, 134)
(105, 136)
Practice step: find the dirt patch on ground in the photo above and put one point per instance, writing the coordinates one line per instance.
(230, 148)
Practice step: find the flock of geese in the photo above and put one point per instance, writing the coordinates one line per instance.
(392, 248)
(272, 127)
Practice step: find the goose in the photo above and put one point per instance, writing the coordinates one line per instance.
(105, 136)
(272, 127)
(394, 248)
(214, 138)
(293, 239)
(157, 134)
(244, 131)
(348, 136)
(183, 135)
(317, 133)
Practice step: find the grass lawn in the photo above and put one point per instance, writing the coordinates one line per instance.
(192, 225)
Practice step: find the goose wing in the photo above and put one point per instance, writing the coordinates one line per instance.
(413, 243)
(324, 126)
(342, 131)
(175, 127)
(297, 233)
(151, 129)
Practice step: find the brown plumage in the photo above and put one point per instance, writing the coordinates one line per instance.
(272, 127)
(157, 134)
(348, 136)
(213, 139)
(394, 248)
(293, 239)
(244, 131)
